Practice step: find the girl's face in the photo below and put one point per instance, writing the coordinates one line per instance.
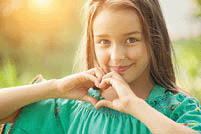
(120, 45)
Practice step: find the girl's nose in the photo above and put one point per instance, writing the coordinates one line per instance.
(118, 52)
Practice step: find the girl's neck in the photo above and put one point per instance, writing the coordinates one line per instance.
(142, 88)
(143, 85)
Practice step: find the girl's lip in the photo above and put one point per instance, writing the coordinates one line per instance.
(120, 69)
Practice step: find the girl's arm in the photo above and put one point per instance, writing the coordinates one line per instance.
(156, 121)
(14, 98)
(71, 87)
(128, 102)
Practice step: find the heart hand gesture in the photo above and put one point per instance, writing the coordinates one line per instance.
(125, 94)
(76, 86)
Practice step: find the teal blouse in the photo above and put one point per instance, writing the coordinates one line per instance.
(63, 116)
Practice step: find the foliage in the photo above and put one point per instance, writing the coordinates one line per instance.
(199, 4)
(189, 62)
(9, 76)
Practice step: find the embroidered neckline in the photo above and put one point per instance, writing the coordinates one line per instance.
(156, 91)
(95, 94)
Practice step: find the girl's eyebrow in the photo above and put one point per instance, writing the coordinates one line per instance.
(134, 32)
(125, 34)
(102, 35)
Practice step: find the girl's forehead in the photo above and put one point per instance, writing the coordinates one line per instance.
(116, 21)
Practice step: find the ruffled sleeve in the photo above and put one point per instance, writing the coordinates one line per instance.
(185, 110)
(42, 114)
(37, 118)
(179, 107)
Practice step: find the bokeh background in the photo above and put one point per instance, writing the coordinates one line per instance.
(42, 36)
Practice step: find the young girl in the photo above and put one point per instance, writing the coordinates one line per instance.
(128, 87)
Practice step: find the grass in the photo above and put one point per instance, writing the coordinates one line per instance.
(8, 75)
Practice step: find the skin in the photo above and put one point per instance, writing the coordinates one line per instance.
(120, 44)
(113, 49)
(125, 86)
(70, 87)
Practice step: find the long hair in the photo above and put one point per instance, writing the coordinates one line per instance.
(154, 30)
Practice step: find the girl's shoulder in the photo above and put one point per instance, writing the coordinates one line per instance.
(179, 107)
(37, 115)
(165, 101)
(161, 95)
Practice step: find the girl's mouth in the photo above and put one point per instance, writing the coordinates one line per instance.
(120, 69)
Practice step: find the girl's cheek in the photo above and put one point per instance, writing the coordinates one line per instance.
(133, 54)
(137, 53)
(103, 60)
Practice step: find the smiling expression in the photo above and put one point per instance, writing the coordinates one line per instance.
(119, 44)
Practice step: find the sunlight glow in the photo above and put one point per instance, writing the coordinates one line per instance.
(42, 3)
(43, 6)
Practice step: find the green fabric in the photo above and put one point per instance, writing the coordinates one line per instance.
(62, 116)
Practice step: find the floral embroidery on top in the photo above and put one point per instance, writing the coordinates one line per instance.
(13, 124)
(197, 107)
(189, 123)
(56, 110)
(39, 78)
(173, 106)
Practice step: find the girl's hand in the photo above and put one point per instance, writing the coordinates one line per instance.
(76, 86)
(125, 94)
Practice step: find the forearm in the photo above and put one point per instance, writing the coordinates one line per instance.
(14, 98)
(156, 121)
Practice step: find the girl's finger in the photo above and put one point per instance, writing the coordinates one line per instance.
(103, 103)
(106, 83)
(90, 77)
(89, 99)
(113, 75)
(101, 70)
(119, 87)
(98, 73)
(108, 75)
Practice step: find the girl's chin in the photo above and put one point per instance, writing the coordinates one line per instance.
(127, 79)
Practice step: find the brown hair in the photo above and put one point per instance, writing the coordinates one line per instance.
(155, 33)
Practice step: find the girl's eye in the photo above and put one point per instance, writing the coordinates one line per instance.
(104, 42)
(131, 40)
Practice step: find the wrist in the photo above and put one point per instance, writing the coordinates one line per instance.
(136, 106)
(52, 89)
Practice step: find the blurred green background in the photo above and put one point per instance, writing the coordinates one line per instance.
(41, 37)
